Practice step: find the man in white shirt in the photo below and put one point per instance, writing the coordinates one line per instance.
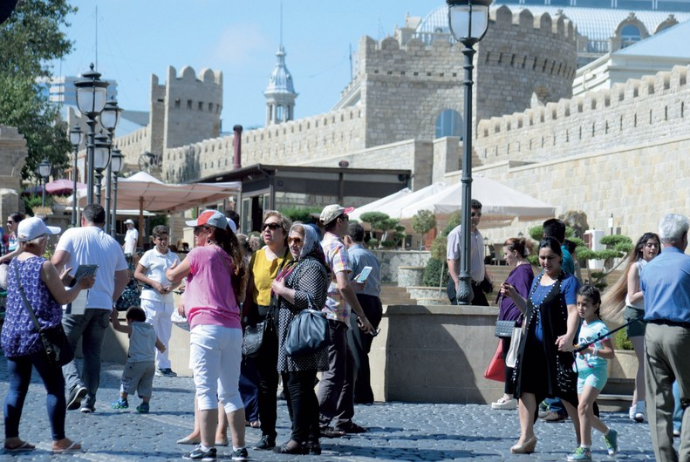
(90, 245)
(131, 238)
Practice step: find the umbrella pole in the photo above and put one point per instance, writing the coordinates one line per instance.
(141, 221)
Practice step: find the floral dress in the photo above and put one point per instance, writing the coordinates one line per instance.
(131, 295)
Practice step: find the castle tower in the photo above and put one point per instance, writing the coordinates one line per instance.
(280, 93)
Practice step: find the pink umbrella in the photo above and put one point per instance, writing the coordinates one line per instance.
(62, 187)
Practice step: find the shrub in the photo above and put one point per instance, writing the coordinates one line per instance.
(621, 340)
(432, 273)
(302, 214)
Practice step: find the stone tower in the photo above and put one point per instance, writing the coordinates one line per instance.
(280, 93)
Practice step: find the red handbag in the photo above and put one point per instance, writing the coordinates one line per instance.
(496, 370)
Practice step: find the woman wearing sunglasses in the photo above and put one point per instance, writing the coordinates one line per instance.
(264, 266)
(301, 286)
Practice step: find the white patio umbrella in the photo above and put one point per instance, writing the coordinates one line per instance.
(378, 205)
(499, 202)
(394, 208)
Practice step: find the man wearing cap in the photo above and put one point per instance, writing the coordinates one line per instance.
(90, 245)
(336, 389)
(131, 238)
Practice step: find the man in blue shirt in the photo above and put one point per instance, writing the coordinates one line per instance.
(665, 283)
(369, 298)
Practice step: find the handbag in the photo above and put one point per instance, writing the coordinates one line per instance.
(307, 332)
(496, 370)
(54, 339)
(511, 357)
(254, 334)
(504, 329)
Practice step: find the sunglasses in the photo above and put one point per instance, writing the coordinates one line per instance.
(199, 229)
(271, 226)
(344, 217)
(296, 240)
(10, 222)
(476, 214)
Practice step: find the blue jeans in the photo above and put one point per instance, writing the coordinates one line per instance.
(19, 370)
(90, 327)
(677, 408)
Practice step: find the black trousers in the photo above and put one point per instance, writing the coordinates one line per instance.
(302, 405)
(267, 370)
(360, 344)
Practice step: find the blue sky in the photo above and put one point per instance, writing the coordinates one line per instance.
(137, 38)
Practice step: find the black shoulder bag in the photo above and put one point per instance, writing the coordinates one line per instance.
(54, 339)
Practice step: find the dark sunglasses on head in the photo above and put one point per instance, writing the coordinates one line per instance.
(271, 226)
(296, 240)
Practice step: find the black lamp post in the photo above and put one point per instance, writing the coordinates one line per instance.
(109, 119)
(44, 172)
(117, 162)
(101, 158)
(468, 21)
(91, 95)
(76, 137)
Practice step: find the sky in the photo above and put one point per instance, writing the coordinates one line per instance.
(137, 38)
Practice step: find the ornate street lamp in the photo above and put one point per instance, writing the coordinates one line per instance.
(44, 172)
(91, 94)
(117, 162)
(109, 119)
(101, 158)
(468, 20)
(76, 137)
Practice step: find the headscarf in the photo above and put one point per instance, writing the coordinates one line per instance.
(312, 246)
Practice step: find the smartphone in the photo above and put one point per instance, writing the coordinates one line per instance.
(363, 275)
(84, 271)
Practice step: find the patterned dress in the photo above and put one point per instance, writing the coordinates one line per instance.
(131, 295)
(309, 276)
(19, 336)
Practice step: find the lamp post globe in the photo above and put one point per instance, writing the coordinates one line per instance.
(117, 162)
(91, 99)
(101, 158)
(109, 119)
(468, 21)
(44, 172)
(76, 138)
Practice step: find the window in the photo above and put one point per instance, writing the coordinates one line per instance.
(449, 123)
(630, 35)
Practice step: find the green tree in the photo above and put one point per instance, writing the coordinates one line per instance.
(29, 39)
(423, 222)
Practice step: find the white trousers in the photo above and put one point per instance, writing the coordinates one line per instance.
(158, 315)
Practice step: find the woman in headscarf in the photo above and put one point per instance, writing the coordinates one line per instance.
(301, 286)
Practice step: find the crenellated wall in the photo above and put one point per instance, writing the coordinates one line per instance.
(134, 144)
(636, 112)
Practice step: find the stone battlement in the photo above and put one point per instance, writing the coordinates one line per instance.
(639, 109)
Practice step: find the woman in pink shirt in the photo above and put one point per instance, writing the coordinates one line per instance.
(215, 282)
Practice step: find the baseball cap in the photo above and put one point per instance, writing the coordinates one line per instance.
(129, 221)
(232, 225)
(33, 227)
(210, 218)
(333, 211)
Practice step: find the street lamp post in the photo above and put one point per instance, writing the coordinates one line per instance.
(44, 172)
(76, 137)
(117, 161)
(468, 21)
(91, 95)
(101, 158)
(109, 119)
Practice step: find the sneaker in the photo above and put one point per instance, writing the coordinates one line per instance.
(120, 404)
(167, 372)
(143, 408)
(581, 454)
(639, 412)
(199, 454)
(240, 454)
(75, 396)
(611, 440)
(505, 404)
(87, 409)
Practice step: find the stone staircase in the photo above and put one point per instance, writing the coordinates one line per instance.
(394, 295)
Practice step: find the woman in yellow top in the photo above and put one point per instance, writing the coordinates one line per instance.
(264, 266)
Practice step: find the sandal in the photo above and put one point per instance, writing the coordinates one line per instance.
(73, 447)
(24, 446)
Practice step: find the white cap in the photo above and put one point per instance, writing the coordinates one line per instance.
(232, 225)
(33, 227)
(129, 221)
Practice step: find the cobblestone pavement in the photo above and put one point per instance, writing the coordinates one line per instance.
(397, 431)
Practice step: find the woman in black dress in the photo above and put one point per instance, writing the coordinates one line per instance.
(544, 363)
(299, 287)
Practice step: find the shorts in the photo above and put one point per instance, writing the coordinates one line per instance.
(635, 329)
(595, 377)
(138, 376)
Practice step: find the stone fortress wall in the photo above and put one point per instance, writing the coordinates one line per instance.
(397, 94)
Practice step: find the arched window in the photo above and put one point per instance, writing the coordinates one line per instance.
(449, 123)
(630, 35)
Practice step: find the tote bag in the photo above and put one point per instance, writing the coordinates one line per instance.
(496, 370)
